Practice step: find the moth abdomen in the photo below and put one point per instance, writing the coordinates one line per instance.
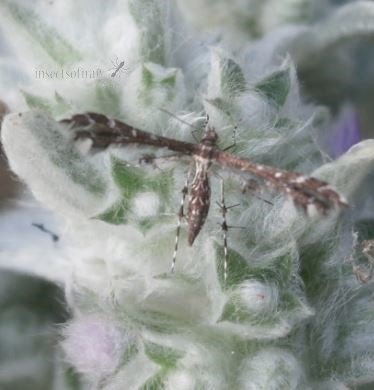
(198, 205)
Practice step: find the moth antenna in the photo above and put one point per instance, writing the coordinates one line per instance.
(224, 209)
(179, 119)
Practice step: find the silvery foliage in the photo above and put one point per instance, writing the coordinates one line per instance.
(291, 314)
(329, 41)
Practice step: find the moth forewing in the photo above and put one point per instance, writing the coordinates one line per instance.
(305, 191)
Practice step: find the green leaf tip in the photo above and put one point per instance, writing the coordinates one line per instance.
(229, 73)
(148, 15)
(132, 180)
(55, 106)
(233, 80)
(47, 37)
(155, 80)
(156, 382)
(163, 356)
(276, 87)
(108, 97)
(239, 270)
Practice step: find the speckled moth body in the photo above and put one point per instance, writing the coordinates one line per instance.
(306, 192)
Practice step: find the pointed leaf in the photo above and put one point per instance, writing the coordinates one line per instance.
(130, 352)
(156, 382)
(223, 105)
(56, 107)
(156, 81)
(38, 102)
(42, 153)
(47, 37)
(170, 80)
(276, 87)
(116, 214)
(62, 106)
(239, 270)
(161, 355)
(148, 15)
(108, 98)
(148, 78)
(131, 181)
(226, 78)
(156, 322)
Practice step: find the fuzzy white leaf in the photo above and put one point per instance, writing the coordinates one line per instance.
(42, 153)
(271, 369)
(353, 20)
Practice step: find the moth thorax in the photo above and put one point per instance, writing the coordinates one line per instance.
(202, 165)
(210, 137)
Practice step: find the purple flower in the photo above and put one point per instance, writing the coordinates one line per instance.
(345, 132)
(94, 345)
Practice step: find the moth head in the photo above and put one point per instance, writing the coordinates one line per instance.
(210, 137)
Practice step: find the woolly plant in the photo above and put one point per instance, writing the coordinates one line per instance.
(291, 314)
(330, 43)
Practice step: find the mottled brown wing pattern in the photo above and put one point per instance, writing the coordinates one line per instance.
(104, 132)
(307, 192)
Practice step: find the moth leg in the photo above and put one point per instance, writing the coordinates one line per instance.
(224, 226)
(151, 159)
(234, 132)
(195, 131)
(253, 187)
(180, 217)
(233, 145)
